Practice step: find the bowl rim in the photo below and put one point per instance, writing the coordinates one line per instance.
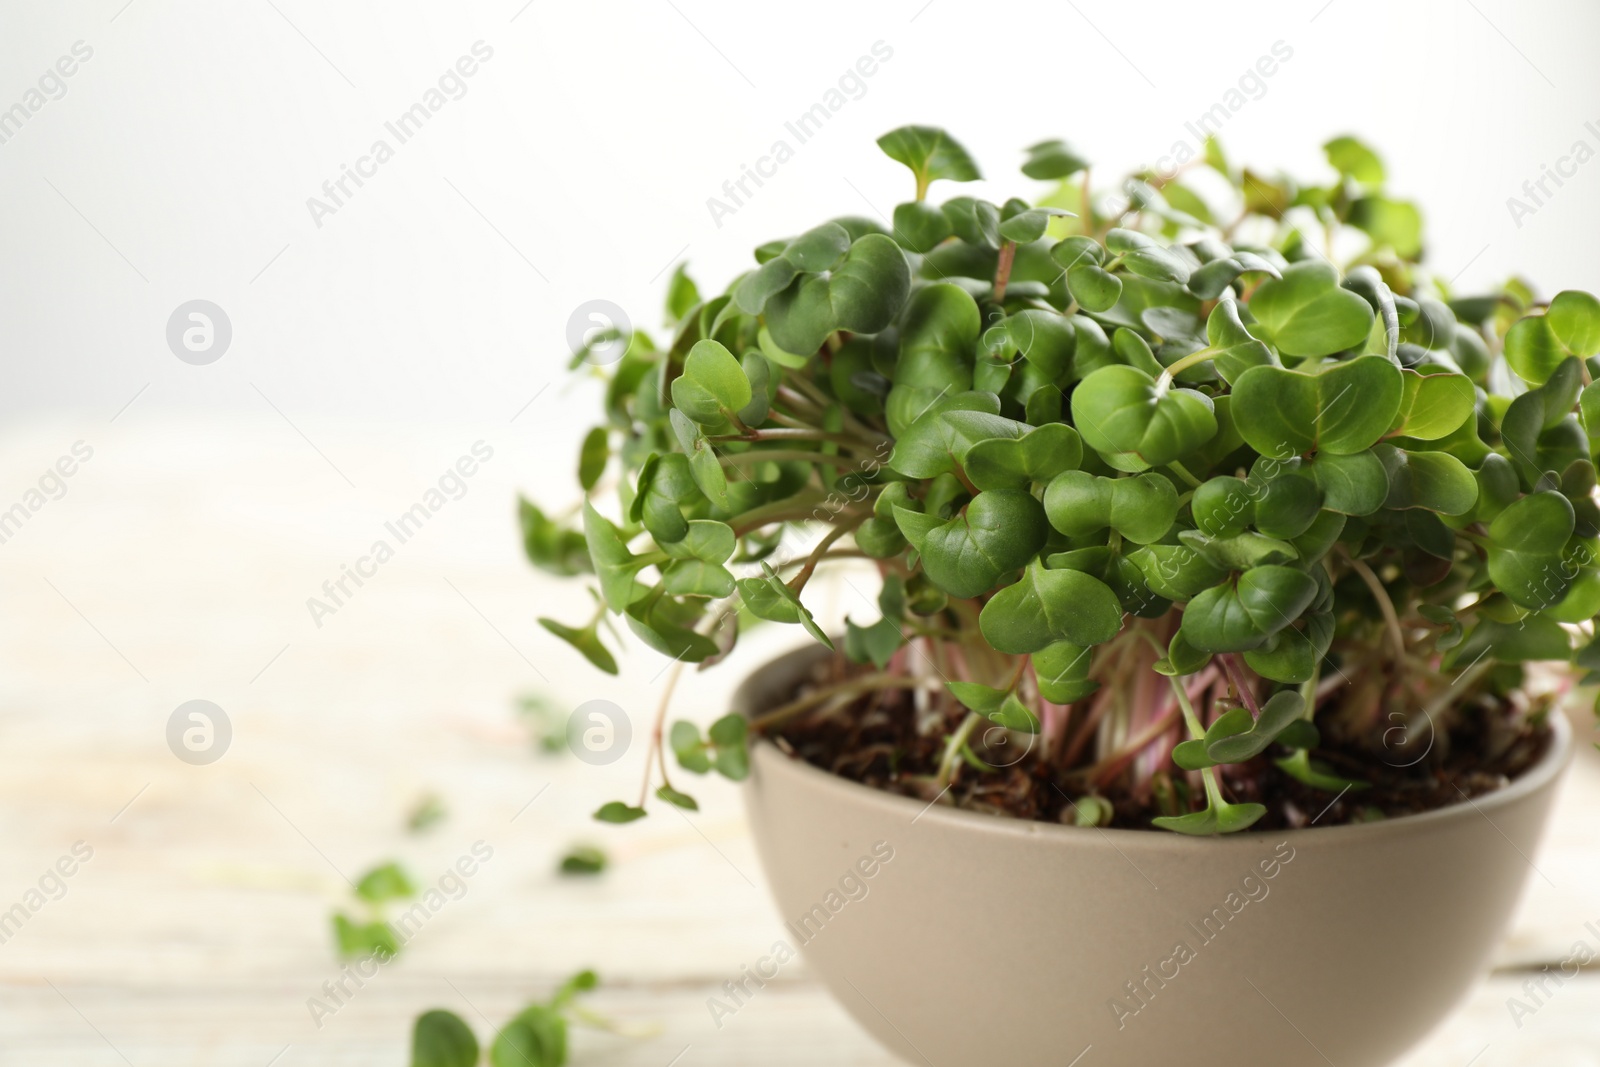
(769, 758)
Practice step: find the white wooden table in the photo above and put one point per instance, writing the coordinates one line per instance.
(177, 567)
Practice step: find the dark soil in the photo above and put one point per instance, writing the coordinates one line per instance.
(875, 741)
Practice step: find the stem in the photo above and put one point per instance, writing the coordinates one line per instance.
(788, 455)
(798, 507)
(1088, 205)
(657, 749)
(798, 582)
(1391, 618)
(1002, 273)
(1179, 366)
(953, 747)
(1183, 472)
(787, 433)
(1230, 663)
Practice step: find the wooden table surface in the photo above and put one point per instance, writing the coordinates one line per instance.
(177, 566)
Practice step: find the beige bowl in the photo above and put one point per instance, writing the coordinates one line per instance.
(960, 939)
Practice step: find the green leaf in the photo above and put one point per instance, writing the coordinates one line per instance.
(693, 577)
(1094, 288)
(712, 387)
(1533, 350)
(586, 641)
(548, 546)
(592, 457)
(1525, 551)
(999, 706)
(706, 540)
(1120, 412)
(1237, 349)
(1355, 160)
(1048, 606)
(677, 799)
(1395, 224)
(1306, 313)
(862, 295)
(613, 564)
(1239, 616)
(760, 285)
(1293, 655)
(1052, 160)
(1316, 774)
(692, 752)
(1436, 481)
(615, 811)
(1218, 818)
(704, 467)
(1356, 484)
(1028, 225)
(938, 442)
(938, 337)
(1532, 639)
(819, 248)
(583, 860)
(659, 621)
(919, 226)
(440, 1039)
(1012, 463)
(1043, 338)
(878, 643)
(1241, 551)
(1140, 508)
(1143, 255)
(1433, 405)
(537, 1037)
(1280, 710)
(769, 598)
(1574, 318)
(376, 939)
(1176, 572)
(931, 153)
(729, 734)
(1342, 409)
(998, 532)
(682, 293)
(1062, 671)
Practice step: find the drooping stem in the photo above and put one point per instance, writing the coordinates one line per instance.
(657, 749)
(798, 582)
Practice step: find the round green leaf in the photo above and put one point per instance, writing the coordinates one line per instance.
(1048, 606)
(1306, 313)
(1239, 616)
(1120, 410)
(1340, 409)
(440, 1039)
(1575, 318)
(998, 532)
(1094, 288)
(919, 226)
(1525, 552)
(931, 153)
(1533, 350)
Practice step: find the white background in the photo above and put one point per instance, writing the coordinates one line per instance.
(593, 138)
